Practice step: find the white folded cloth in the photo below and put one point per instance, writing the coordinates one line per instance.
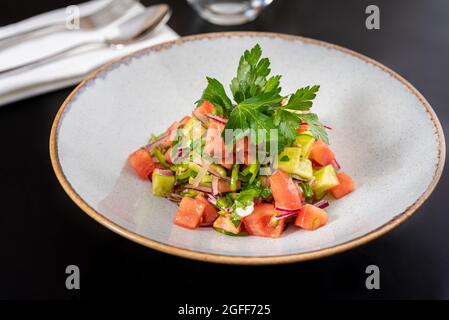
(70, 70)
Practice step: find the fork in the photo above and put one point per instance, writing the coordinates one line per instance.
(100, 18)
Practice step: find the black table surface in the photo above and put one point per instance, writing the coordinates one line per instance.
(43, 231)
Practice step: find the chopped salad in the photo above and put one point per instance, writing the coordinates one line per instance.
(250, 165)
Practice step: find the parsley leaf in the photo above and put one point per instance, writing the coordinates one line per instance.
(302, 98)
(215, 93)
(266, 193)
(257, 97)
(246, 197)
(287, 123)
(251, 78)
(315, 126)
(249, 114)
(272, 85)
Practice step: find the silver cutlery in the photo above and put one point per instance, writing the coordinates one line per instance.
(98, 19)
(127, 32)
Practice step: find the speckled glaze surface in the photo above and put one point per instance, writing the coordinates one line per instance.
(385, 135)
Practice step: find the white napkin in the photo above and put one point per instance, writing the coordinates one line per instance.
(70, 70)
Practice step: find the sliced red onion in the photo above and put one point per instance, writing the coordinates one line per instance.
(296, 177)
(215, 185)
(321, 204)
(217, 119)
(164, 172)
(174, 198)
(212, 199)
(211, 170)
(200, 117)
(200, 175)
(216, 174)
(285, 215)
(336, 164)
(180, 154)
(198, 188)
(327, 127)
(285, 210)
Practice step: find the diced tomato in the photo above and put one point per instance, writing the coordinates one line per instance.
(214, 142)
(261, 223)
(346, 186)
(321, 153)
(142, 162)
(225, 223)
(304, 126)
(171, 131)
(210, 213)
(311, 217)
(244, 152)
(315, 164)
(184, 120)
(190, 213)
(286, 193)
(227, 165)
(205, 108)
(225, 185)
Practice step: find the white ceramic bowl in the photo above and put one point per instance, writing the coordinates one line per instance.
(386, 136)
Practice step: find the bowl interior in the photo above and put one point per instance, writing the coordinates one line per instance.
(382, 135)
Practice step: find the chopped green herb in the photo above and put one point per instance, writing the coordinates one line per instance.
(160, 157)
(306, 190)
(265, 193)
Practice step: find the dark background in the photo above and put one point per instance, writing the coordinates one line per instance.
(43, 231)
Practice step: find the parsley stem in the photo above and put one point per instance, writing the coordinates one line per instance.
(234, 177)
(160, 157)
(254, 169)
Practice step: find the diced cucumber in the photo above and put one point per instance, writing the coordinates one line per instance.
(190, 193)
(325, 179)
(163, 185)
(194, 167)
(219, 169)
(304, 169)
(224, 223)
(182, 171)
(308, 133)
(190, 125)
(289, 159)
(305, 141)
(241, 234)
